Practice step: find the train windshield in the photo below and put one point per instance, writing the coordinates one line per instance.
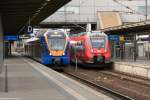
(98, 42)
(56, 41)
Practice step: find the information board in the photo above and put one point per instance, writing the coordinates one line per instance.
(11, 38)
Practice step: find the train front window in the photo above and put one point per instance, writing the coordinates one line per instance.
(98, 42)
(56, 43)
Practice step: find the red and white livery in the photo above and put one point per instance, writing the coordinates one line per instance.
(90, 47)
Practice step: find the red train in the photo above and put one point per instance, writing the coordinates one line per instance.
(90, 47)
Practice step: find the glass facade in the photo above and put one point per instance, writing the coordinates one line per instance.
(142, 9)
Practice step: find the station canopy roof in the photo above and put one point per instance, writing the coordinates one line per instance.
(16, 13)
(136, 28)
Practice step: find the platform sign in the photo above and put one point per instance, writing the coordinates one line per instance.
(29, 29)
(114, 37)
(122, 38)
(11, 38)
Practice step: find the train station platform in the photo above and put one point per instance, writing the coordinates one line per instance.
(136, 68)
(29, 80)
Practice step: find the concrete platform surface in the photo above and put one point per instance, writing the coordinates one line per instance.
(29, 80)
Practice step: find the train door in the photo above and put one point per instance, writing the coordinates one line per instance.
(72, 51)
(79, 51)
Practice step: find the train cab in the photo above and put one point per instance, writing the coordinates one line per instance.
(49, 48)
(90, 47)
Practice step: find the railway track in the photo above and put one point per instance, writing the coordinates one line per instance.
(123, 76)
(101, 88)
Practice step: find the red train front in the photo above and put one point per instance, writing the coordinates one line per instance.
(90, 47)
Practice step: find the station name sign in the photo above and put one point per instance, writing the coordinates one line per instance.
(11, 38)
(114, 37)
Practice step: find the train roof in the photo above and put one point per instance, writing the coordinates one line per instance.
(87, 33)
(97, 33)
(31, 40)
(60, 32)
(42, 32)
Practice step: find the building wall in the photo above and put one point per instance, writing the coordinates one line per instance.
(1, 46)
(86, 11)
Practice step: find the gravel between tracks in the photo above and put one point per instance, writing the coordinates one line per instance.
(126, 87)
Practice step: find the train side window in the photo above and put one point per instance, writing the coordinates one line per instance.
(43, 48)
(83, 47)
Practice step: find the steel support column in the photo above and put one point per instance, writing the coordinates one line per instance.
(1, 45)
(135, 48)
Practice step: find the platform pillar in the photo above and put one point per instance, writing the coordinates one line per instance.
(135, 48)
(1, 46)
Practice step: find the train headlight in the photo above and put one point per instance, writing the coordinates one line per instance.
(63, 54)
(50, 54)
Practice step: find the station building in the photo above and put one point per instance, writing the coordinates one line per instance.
(85, 11)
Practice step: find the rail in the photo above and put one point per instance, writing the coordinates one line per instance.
(117, 94)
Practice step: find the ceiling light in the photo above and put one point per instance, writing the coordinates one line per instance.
(40, 8)
(48, 0)
(44, 4)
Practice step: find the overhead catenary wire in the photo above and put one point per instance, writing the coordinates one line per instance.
(134, 11)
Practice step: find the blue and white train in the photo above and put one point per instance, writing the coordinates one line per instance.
(50, 48)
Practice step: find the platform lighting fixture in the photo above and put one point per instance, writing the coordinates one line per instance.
(41, 8)
(38, 10)
(44, 4)
(47, 0)
(36, 14)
